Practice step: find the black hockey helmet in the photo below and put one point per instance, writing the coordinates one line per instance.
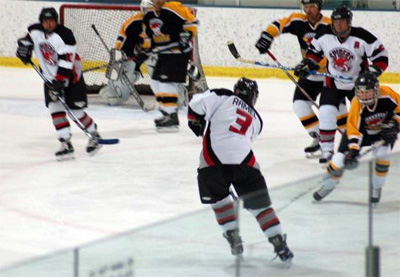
(342, 12)
(247, 90)
(48, 13)
(318, 2)
(367, 89)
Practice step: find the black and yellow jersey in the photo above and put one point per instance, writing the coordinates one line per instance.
(361, 121)
(297, 24)
(130, 35)
(163, 28)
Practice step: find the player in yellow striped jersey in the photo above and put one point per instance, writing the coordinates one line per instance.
(304, 26)
(170, 28)
(129, 43)
(374, 115)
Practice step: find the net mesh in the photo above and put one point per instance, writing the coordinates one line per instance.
(107, 20)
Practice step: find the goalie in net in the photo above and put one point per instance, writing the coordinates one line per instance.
(127, 57)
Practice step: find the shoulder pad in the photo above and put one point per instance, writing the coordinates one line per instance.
(66, 34)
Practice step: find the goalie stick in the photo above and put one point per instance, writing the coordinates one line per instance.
(235, 53)
(73, 116)
(111, 65)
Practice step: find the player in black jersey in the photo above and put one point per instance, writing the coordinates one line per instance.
(55, 48)
(374, 115)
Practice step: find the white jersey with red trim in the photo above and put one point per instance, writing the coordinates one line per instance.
(56, 53)
(232, 126)
(349, 57)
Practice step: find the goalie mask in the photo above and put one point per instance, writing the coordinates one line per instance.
(367, 90)
(247, 90)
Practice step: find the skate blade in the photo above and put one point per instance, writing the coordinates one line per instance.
(67, 157)
(171, 129)
(94, 152)
(288, 262)
(313, 155)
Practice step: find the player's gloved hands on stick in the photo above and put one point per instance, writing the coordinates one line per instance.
(374, 70)
(350, 161)
(184, 42)
(264, 42)
(56, 88)
(24, 50)
(303, 69)
(389, 132)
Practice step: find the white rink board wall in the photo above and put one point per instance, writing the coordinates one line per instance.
(219, 25)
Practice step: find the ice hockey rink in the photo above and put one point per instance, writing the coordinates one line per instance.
(134, 209)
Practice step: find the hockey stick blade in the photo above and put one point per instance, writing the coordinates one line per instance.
(233, 50)
(107, 141)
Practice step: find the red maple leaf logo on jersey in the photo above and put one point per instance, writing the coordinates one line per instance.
(342, 59)
(48, 53)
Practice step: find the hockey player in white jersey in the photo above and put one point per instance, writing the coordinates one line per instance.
(227, 159)
(55, 48)
(349, 51)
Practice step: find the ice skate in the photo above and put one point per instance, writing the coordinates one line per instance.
(93, 146)
(313, 150)
(66, 151)
(281, 249)
(235, 241)
(376, 197)
(326, 157)
(168, 123)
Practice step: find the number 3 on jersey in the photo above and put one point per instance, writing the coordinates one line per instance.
(243, 120)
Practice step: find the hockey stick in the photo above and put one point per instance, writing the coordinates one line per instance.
(235, 53)
(73, 116)
(134, 92)
(373, 147)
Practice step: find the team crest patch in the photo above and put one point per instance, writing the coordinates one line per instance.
(342, 59)
(156, 25)
(48, 53)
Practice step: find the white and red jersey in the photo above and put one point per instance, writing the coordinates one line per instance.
(349, 57)
(56, 53)
(232, 126)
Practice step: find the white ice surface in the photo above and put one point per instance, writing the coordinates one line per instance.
(46, 206)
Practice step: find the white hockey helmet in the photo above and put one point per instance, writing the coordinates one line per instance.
(146, 5)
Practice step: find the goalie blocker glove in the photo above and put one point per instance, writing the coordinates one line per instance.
(24, 50)
(264, 42)
(303, 69)
(350, 161)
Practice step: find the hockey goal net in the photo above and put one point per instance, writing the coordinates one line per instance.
(108, 20)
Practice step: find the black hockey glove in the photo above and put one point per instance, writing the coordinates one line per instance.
(56, 89)
(264, 42)
(389, 132)
(350, 161)
(193, 72)
(197, 126)
(184, 42)
(303, 69)
(24, 50)
(374, 70)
